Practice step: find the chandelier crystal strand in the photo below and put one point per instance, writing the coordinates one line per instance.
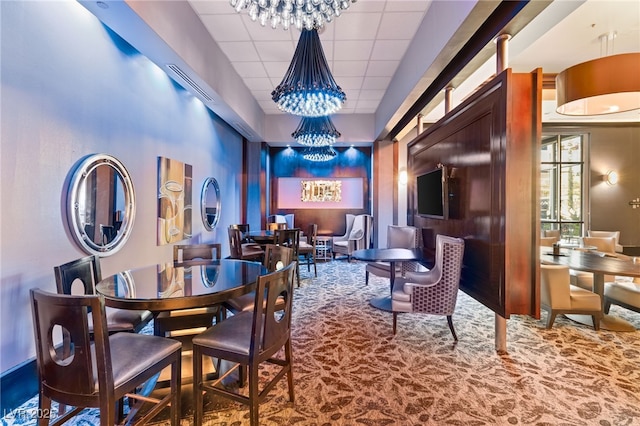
(319, 153)
(308, 88)
(316, 131)
(307, 14)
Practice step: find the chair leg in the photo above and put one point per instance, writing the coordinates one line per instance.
(176, 386)
(453, 331)
(253, 395)
(197, 383)
(607, 305)
(315, 267)
(45, 407)
(289, 358)
(395, 320)
(596, 322)
(366, 277)
(551, 318)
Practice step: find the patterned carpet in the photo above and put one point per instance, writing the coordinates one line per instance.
(349, 369)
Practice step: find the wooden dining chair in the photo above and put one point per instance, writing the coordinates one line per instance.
(290, 238)
(85, 272)
(250, 339)
(97, 369)
(243, 251)
(185, 323)
(307, 249)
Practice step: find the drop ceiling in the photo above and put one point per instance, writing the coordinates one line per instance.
(383, 53)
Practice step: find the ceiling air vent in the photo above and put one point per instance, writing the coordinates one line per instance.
(188, 82)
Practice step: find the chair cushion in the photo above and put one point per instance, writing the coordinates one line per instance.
(582, 299)
(340, 243)
(231, 335)
(241, 303)
(133, 353)
(626, 292)
(356, 234)
(123, 319)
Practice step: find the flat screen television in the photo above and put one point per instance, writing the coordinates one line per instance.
(431, 189)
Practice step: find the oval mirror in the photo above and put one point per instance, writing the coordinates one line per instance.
(210, 203)
(101, 205)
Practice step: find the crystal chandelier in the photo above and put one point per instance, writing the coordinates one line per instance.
(300, 13)
(319, 153)
(308, 88)
(316, 131)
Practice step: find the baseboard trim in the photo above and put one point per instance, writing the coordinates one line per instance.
(18, 385)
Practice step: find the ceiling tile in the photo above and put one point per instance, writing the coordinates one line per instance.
(349, 83)
(250, 69)
(389, 49)
(382, 68)
(275, 51)
(375, 83)
(407, 6)
(369, 6)
(399, 26)
(349, 68)
(258, 83)
(262, 95)
(371, 95)
(358, 26)
(225, 27)
(239, 51)
(266, 33)
(353, 50)
(276, 70)
(204, 7)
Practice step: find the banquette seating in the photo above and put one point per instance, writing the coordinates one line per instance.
(608, 234)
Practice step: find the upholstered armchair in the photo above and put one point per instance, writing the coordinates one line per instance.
(623, 292)
(358, 235)
(606, 245)
(397, 237)
(434, 291)
(607, 234)
(558, 296)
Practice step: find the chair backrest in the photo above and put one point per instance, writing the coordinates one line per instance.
(243, 227)
(312, 234)
(552, 233)
(276, 218)
(182, 253)
(349, 218)
(402, 237)
(603, 244)
(70, 370)
(274, 225)
(441, 299)
(605, 234)
(85, 270)
(235, 243)
(288, 238)
(271, 317)
(276, 257)
(361, 231)
(289, 219)
(547, 241)
(555, 286)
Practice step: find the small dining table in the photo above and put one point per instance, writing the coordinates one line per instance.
(262, 237)
(391, 256)
(599, 264)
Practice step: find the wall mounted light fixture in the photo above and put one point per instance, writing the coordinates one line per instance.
(403, 177)
(611, 177)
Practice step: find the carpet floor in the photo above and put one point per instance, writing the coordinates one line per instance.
(349, 368)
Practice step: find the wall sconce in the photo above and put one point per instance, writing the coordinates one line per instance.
(403, 177)
(611, 177)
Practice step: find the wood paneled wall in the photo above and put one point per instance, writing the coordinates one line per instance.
(350, 162)
(490, 146)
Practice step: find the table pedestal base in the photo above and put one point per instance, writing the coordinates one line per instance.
(383, 303)
(608, 322)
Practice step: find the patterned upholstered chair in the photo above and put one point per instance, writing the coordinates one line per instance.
(558, 296)
(435, 291)
(358, 235)
(397, 237)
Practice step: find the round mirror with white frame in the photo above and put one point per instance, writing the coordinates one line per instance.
(101, 205)
(210, 203)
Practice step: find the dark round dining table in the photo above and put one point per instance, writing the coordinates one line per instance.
(173, 286)
(390, 255)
